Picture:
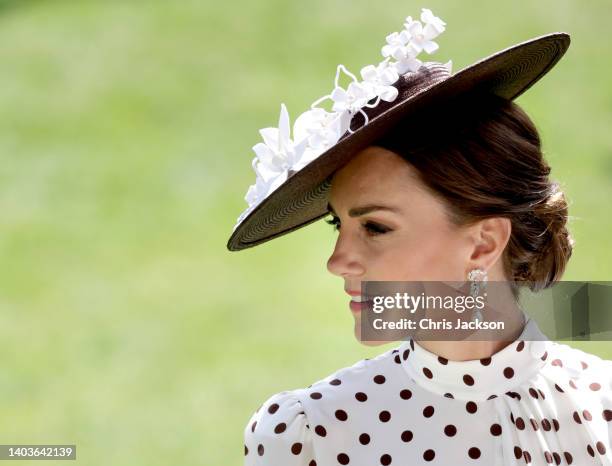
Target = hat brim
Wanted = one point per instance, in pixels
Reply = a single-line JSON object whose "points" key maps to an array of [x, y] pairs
{"points": [[302, 198]]}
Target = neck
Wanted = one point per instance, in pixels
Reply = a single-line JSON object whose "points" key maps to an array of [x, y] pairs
{"points": [[480, 348]]}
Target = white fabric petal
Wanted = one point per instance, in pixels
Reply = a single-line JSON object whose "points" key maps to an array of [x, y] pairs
{"points": [[389, 93], [430, 46], [264, 153], [339, 95], [369, 72], [415, 28], [270, 137], [283, 127]]}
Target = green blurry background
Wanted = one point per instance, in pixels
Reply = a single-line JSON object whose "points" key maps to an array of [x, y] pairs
{"points": [[126, 129]]}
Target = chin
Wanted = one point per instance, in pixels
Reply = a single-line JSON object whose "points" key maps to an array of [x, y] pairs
{"points": [[366, 342]]}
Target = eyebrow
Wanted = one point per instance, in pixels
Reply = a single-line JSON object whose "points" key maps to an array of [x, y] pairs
{"points": [[366, 209]]}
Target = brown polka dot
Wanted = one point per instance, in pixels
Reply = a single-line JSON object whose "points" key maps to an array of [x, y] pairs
{"points": [[556, 425], [335, 382], [320, 431], [412, 344], [442, 360], [280, 428], [496, 430], [520, 424], [379, 379], [568, 457], [364, 439], [544, 356], [546, 424], [594, 386], [533, 393], [527, 457], [590, 450], [508, 372], [405, 354], [557, 458], [471, 407], [485, 361], [514, 395], [246, 450], [407, 436], [312, 463], [557, 362], [450, 430], [559, 389], [427, 373], [541, 394], [534, 423], [360, 396], [586, 414], [428, 411], [385, 459], [518, 452], [573, 384], [584, 365], [474, 453], [548, 457], [429, 455], [260, 449], [520, 346], [601, 448], [491, 397], [253, 426], [341, 415], [384, 416], [468, 379], [343, 458], [607, 415], [577, 417], [316, 395], [296, 448], [449, 395], [273, 408], [397, 359], [405, 394]]}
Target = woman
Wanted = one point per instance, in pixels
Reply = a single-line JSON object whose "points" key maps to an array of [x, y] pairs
{"points": [[441, 180]]}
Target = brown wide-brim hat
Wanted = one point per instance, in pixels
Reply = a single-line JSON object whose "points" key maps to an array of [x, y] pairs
{"points": [[303, 197]]}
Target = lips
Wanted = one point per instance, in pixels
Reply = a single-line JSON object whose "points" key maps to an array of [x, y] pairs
{"points": [[356, 304]]}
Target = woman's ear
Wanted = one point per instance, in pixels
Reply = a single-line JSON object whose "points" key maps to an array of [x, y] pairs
{"points": [[489, 238]]}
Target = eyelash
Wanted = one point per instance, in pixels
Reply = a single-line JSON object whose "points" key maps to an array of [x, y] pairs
{"points": [[372, 228]]}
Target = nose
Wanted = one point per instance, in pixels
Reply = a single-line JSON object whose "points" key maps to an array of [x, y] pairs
{"points": [[345, 261]]}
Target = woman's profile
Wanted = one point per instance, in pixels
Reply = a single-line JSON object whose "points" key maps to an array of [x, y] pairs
{"points": [[430, 176]]}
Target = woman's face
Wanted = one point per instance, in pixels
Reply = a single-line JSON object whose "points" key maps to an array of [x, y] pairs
{"points": [[407, 237]]}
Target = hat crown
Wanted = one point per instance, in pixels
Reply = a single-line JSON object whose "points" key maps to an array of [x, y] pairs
{"points": [[408, 85]]}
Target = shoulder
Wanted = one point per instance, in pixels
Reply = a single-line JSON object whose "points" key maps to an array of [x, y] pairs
{"points": [[277, 430], [578, 370], [286, 424]]}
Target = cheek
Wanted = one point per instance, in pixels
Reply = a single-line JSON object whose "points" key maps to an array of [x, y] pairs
{"points": [[426, 254]]}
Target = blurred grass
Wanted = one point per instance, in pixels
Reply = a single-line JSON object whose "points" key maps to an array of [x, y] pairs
{"points": [[126, 327]]}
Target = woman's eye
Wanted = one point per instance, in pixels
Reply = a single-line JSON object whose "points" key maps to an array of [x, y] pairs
{"points": [[375, 229], [372, 229]]}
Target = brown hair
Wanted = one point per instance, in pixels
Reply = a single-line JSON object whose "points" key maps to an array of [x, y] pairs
{"points": [[482, 155]]}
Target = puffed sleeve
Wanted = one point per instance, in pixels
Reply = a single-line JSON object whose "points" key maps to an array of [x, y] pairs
{"points": [[278, 434]]}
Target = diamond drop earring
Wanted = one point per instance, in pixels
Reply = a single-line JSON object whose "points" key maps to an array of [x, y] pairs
{"points": [[478, 281]]}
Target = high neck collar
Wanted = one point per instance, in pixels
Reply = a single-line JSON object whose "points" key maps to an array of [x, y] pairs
{"points": [[478, 379]]}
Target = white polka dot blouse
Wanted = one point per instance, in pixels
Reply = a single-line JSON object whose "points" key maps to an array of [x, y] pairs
{"points": [[535, 402]]}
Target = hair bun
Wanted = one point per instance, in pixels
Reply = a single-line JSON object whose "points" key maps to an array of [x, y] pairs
{"points": [[554, 243]]}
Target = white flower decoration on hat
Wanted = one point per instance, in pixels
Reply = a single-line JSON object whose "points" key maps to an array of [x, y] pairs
{"points": [[316, 130]]}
